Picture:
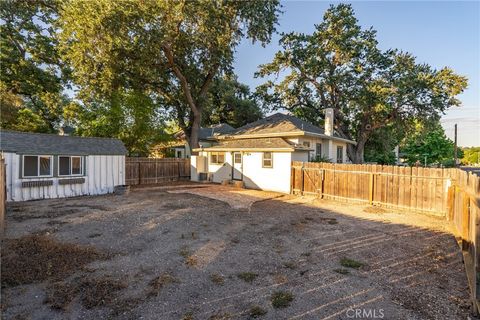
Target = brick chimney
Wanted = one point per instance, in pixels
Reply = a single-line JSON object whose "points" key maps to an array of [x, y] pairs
{"points": [[329, 121]]}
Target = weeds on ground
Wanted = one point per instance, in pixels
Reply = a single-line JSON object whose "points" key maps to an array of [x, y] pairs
{"points": [[281, 299], [157, 283], [350, 263], [191, 261], [217, 278], [184, 252], [257, 311], [188, 316], [247, 276], [220, 316], [59, 295], [342, 271], [100, 291], [290, 265], [36, 258]]}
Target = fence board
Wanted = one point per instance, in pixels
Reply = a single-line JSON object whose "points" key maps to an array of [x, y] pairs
{"points": [[3, 196], [153, 170]]}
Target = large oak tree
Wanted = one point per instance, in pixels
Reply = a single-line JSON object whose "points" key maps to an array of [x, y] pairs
{"points": [[340, 66], [172, 50]]}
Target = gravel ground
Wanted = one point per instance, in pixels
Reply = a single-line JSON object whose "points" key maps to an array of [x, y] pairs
{"points": [[188, 256]]}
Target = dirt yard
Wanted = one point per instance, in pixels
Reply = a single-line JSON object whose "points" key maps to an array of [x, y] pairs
{"points": [[180, 253]]}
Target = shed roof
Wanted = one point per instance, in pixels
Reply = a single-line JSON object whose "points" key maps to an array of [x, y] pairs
{"points": [[258, 144], [44, 143]]}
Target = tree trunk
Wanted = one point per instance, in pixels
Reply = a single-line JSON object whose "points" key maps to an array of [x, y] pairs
{"points": [[355, 153], [194, 132]]}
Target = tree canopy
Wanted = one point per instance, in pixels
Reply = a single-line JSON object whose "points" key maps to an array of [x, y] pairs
{"points": [[340, 66], [170, 50]]}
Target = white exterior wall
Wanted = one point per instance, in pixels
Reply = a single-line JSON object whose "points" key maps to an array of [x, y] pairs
{"points": [[102, 173], [276, 178]]}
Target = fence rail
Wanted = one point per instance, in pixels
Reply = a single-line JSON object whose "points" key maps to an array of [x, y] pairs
{"points": [[451, 193], [152, 170]]}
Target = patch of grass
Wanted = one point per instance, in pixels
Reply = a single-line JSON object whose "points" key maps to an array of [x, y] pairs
{"points": [[309, 218], [373, 209], [59, 295], [257, 311], [350, 263], [306, 254], [188, 316], [217, 278], [332, 221], [157, 283], [281, 299], [280, 278], [184, 252], [247, 276], [342, 271], [37, 258], [220, 316], [100, 291], [94, 235], [191, 261], [290, 265]]}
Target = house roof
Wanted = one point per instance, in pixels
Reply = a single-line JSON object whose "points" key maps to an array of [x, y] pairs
{"points": [[258, 144], [279, 124], [47, 144], [209, 132]]}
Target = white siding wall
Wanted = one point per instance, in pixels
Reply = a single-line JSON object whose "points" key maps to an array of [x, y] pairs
{"points": [[102, 173], [273, 179]]}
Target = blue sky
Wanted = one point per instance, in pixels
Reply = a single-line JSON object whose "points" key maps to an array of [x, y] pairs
{"points": [[438, 33]]}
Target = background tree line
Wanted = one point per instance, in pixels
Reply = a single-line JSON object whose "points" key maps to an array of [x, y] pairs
{"points": [[127, 69]]}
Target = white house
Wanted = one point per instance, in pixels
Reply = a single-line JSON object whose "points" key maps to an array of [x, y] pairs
{"points": [[42, 166], [260, 153]]}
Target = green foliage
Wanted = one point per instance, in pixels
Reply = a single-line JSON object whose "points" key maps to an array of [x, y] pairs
{"points": [[170, 50], [230, 101], [281, 299], [130, 116], [31, 72], [429, 144], [471, 155], [350, 263], [321, 159], [340, 66]]}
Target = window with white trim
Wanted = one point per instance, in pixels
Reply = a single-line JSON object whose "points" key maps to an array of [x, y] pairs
{"points": [[70, 166], [37, 166], [267, 160], [217, 157], [339, 154]]}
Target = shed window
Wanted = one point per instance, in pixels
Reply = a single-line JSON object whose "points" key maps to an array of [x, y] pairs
{"points": [[339, 154], [267, 160], [37, 166], [306, 144], [70, 166], [217, 157], [318, 150]]}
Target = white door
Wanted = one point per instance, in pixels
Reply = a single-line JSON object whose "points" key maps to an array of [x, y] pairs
{"points": [[237, 166]]}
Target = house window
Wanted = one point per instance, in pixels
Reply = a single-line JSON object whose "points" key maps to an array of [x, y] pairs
{"points": [[267, 160], [318, 150], [339, 154], [37, 166], [217, 157], [306, 144], [179, 153], [70, 166], [237, 158]]}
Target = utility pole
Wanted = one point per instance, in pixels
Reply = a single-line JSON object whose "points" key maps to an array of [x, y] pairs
{"points": [[455, 150]]}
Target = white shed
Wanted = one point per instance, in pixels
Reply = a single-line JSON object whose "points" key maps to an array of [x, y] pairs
{"points": [[43, 166]]}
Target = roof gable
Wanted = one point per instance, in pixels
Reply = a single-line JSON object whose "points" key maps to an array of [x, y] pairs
{"points": [[278, 123], [44, 143]]}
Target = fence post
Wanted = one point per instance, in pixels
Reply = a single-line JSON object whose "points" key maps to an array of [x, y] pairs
{"points": [[450, 202], [371, 187], [465, 220], [303, 180], [322, 181], [139, 172]]}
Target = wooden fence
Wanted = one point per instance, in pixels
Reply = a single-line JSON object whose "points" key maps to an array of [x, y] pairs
{"points": [[3, 195], [451, 193], [152, 170]]}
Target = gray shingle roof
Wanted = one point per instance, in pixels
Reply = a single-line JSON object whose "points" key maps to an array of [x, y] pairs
{"points": [[221, 128], [255, 144], [52, 144]]}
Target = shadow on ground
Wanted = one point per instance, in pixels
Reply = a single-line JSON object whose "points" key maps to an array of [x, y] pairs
{"points": [[185, 256]]}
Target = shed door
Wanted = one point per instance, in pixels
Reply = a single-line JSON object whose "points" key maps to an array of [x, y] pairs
{"points": [[237, 166]]}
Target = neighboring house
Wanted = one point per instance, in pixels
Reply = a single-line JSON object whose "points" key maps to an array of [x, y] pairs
{"points": [[260, 153], [41, 166], [206, 137]]}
